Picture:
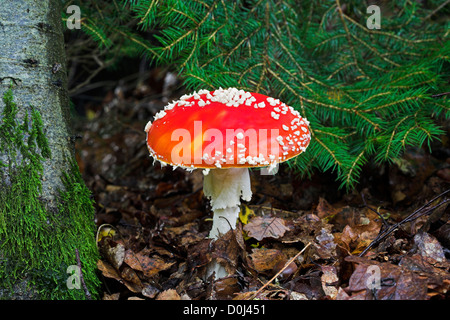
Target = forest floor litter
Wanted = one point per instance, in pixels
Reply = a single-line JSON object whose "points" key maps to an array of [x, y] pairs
{"points": [[297, 239]]}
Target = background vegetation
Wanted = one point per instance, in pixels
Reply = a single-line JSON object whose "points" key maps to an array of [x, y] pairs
{"points": [[368, 93]]}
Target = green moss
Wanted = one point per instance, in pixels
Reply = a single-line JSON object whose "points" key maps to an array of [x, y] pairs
{"points": [[38, 240]]}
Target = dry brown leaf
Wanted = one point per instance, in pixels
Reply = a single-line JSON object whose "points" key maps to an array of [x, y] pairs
{"points": [[131, 280], [148, 265], [108, 270], [265, 227], [265, 260], [244, 295], [226, 288], [198, 254], [385, 281], [324, 209], [325, 247], [130, 275], [150, 291], [191, 238], [329, 280], [113, 296], [226, 251], [356, 237], [298, 296], [114, 252], [178, 231], [343, 295], [429, 248], [170, 294]]}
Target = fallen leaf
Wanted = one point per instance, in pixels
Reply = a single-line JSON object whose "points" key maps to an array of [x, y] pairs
{"points": [[428, 247], [131, 280], [185, 234], [175, 232], [346, 238], [225, 288], [324, 209], [385, 281], [298, 296], [438, 279], [170, 294], [148, 265], [163, 189], [114, 296], [343, 295], [130, 275], [114, 252], [191, 238], [125, 277], [265, 227], [108, 270], [149, 291], [288, 271], [325, 245], [265, 260], [443, 234], [329, 280], [304, 229], [226, 251], [246, 296], [355, 237]]}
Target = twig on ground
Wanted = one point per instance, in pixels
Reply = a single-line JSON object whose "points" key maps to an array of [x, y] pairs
{"points": [[423, 210], [379, 214], [86, 291], [279, 272]]}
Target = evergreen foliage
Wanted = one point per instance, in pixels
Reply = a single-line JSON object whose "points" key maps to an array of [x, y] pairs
{"points": [[368, 93]]}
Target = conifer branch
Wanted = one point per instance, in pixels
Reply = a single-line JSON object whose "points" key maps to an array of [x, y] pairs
{"points": [[442, 5], [390, 104], [383, 33], [368, 93], [390, 142], [349, 38], [349, 177], [329, 151], [147, 13]]}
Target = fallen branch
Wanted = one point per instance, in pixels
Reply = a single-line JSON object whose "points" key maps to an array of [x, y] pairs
{"points": [[423, 210]]}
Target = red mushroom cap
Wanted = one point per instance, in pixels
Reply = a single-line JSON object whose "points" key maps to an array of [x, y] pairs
{"points": [[226, 128]]}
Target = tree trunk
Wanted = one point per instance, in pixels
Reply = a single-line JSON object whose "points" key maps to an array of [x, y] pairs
{"points": [[46, 213]]}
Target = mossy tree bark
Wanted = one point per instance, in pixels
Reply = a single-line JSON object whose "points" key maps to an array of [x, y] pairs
{"points": [[46, 213]]}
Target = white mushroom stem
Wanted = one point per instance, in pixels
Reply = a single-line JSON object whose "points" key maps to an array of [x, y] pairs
{"points": [[225, 188]]}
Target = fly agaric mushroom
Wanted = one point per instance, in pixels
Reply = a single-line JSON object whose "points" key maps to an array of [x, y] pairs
{"points": [[225, 132]]}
